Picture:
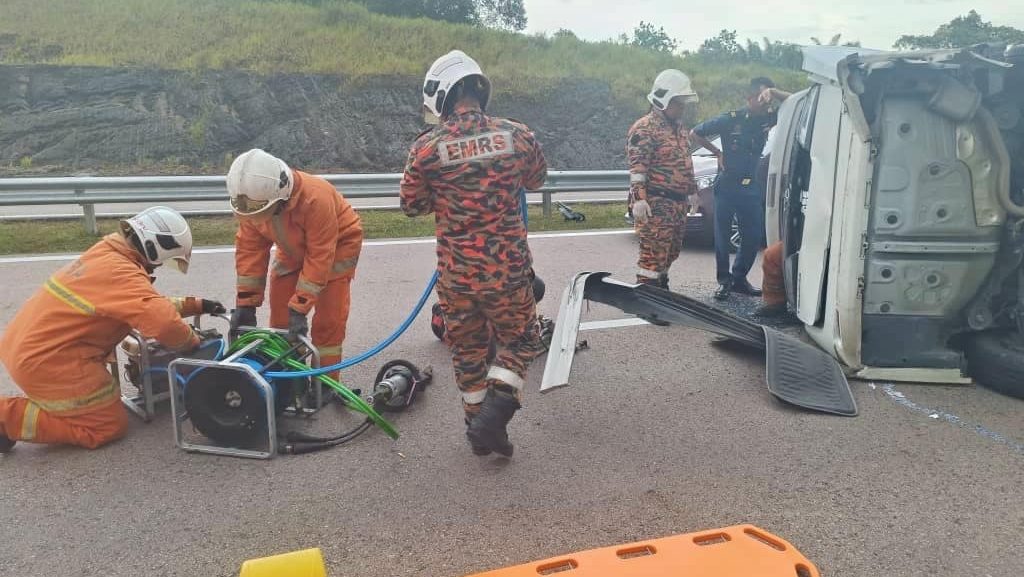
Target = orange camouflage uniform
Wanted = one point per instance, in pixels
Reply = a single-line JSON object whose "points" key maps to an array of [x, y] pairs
{"points": [[468, 171], [660, 172]]}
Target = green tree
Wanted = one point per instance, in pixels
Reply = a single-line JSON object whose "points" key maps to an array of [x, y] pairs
{"points": [[782, 54], [507, 14], [961, 32], [650, 38], [723, 47], [835, 41]]}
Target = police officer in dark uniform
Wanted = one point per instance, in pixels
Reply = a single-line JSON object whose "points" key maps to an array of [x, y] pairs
{"points": [[738, 190]]}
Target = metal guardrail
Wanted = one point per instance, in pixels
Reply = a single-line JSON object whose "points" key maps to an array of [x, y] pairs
{"points": [[88, 191]]}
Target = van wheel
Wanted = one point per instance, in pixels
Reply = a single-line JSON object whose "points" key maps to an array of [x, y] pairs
{"points": [[996, 360]]}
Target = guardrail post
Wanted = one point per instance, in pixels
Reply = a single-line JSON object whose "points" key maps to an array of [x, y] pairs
{"points": [[89, 216], [546, 196]]}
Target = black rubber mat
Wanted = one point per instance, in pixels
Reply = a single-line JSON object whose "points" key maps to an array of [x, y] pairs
{"points": [[805, 376]]}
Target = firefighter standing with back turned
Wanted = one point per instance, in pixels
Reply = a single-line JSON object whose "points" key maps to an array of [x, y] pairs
{"points": [[468, 171], [661, 176]]}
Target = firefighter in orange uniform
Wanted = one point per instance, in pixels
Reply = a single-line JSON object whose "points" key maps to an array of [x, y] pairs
{"points": [[57, 346], [318, 237]]}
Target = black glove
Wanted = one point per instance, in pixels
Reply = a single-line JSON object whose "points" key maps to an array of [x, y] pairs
{"points": [[242, 317], [297, 324], [211, 307]]}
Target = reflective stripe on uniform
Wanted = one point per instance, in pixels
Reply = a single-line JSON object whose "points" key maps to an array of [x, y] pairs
{"points": [[99, 397], [280, 269], [506, 376], [474, 397], [343, 266], [334, 351], [28, 422], [648, 273], [310, 287], [637, 177], [281, 237], [252, 281], [179, 304], [185, 342], [69, 298]]}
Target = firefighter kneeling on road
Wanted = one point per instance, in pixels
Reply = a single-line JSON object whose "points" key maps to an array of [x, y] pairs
{"points": [[661, 176], [57, 346], [318, 237], [468, 172]]}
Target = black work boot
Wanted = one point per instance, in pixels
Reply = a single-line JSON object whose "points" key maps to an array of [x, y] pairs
{"points": [[724, 290], [743, 287], [6, 444], [478, 450], [487, 429]]}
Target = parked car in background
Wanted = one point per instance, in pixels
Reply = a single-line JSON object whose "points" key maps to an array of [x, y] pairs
{"points": [[700, 227]]}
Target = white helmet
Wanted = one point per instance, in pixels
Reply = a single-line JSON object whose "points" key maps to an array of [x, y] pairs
{"points": [[257, 181], [446, 72], [669, 84], [162, 236]]}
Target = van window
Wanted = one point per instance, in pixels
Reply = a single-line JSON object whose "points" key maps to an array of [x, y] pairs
{"points": [[796, 173]]}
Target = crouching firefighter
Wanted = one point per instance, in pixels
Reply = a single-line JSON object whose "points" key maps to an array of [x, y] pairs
{"points": [[468, 171], [56, 348], [318, 237], [661, 176]]}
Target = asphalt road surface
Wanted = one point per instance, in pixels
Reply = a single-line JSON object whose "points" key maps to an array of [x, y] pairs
{"points": [[660, 433]]}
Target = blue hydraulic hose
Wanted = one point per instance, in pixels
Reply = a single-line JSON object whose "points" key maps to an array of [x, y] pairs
{"points": [[346, 363], [523, 207], [184, 380]]}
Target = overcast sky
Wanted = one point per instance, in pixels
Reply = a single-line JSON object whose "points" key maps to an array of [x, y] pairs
{"points": [[876, 23]]}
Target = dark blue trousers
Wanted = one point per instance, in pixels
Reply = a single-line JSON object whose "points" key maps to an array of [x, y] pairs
{"points": [[746, 206]]}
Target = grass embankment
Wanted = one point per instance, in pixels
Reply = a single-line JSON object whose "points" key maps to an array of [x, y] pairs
{"points": [[31, 237], [336, 37]]}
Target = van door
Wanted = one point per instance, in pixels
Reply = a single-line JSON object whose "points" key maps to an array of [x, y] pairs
{"points": [[814, 176]]}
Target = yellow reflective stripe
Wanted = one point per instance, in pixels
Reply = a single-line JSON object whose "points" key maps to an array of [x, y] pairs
{"points": [[28, 422], [281, 236], [184, 342], [280, 269], [69, 298], [179, 304], [329, 351], [310, 287], [252, 281], [95, 398], [346, 265]]}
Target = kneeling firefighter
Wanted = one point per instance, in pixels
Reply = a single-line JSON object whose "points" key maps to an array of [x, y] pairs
{"points": [[468, 171], [318, 237], [57, 346]]}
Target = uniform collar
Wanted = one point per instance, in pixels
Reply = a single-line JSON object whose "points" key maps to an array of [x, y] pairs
{"points": [[463, 109], [120, 245], [297, 178], [659, 116]]}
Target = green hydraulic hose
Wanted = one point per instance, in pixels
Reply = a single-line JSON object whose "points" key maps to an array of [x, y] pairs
{"points": [[274, 345]]}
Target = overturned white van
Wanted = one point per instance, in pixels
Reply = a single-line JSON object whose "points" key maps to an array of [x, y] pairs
{"points": [[896, 187]]}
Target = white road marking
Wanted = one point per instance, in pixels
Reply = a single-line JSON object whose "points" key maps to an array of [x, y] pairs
{"points": [[612, 324], [396, 242], [901, 399]]}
